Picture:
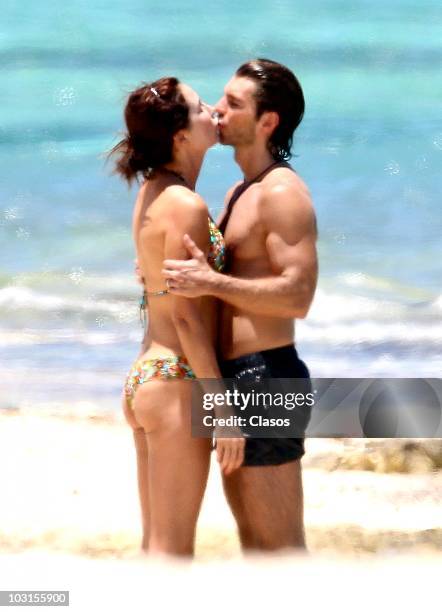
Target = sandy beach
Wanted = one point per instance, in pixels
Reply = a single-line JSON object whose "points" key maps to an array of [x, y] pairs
{"points": [[69, 484], [69, 519]]}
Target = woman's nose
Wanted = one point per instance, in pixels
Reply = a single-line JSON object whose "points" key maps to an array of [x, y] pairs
{"points": [[211, 110], [219, 108]]}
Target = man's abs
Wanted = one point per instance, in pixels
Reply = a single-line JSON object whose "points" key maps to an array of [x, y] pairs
{"points": [[244, 332]]}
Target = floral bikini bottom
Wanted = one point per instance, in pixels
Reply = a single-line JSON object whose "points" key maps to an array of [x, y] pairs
{"points": [[143, 370]]}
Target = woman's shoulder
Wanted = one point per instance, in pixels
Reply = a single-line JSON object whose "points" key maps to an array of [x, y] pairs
{"points": [[181, 199]]}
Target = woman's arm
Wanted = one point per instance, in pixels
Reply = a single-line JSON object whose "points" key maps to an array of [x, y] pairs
{"points": [[191, 212], [190, 215]]}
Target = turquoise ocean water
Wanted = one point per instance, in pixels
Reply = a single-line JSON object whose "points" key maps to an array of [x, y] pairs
{"points": [[370, 149]]}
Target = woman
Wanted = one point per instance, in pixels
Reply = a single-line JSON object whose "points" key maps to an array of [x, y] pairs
{"points": [[169, 130]]}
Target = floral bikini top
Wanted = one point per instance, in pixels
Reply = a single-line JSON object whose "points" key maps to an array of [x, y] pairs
{"points": [[216, 257], [217, 247]]}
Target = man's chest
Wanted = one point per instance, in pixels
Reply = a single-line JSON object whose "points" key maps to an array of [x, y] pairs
{"points": [[244, 235]]}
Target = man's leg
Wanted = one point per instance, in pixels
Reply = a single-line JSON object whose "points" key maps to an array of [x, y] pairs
{"points": [[268, 505], [266, 494]]}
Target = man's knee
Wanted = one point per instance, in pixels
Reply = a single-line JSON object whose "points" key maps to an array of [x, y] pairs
{"points": [[257, 538], [265, 535], [267, 504]]}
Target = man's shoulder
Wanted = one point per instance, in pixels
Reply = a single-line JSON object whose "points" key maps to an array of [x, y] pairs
{"points": [[285, 185], [285, 203]]}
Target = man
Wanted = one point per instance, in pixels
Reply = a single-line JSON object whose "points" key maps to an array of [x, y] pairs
{"points": [[270, 231]]}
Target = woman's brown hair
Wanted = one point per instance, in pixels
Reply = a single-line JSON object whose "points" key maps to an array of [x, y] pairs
{"points": [[153, 114]]}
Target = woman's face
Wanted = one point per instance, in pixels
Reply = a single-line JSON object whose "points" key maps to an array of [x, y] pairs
{"points": [[202, 130]]}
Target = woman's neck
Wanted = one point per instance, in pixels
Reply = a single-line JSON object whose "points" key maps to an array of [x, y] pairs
{"points": [[186, 168]]}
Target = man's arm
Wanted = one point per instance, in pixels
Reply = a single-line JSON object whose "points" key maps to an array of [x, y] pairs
{"points": [[290, 224]]}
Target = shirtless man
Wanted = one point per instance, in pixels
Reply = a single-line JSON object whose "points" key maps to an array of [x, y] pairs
{"points": [[270, 230]]}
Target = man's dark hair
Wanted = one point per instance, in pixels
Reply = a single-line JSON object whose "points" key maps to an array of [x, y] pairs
{"points": [[277, 90]]}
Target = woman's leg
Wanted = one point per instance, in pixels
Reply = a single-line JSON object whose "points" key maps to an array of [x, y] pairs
{"points": [[178, 464], [140, 441]]}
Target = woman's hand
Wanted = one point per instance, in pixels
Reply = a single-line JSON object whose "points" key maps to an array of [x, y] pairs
{"points": [[137, 270], [229, 451]]}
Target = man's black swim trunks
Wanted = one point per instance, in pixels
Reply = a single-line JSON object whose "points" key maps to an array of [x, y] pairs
{"points": [[250, 372]]}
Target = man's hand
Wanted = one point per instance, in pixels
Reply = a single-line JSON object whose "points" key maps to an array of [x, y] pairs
{"points": [[189, 277]]}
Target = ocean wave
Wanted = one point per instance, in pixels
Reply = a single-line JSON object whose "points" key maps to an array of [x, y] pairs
{"points": [[30, 337], [338, 319], [334, 318], [436, 305], [397, 336], [385, 365], [332, 307], [16, 301], [386, 287], [372, 333], [111, 294]]}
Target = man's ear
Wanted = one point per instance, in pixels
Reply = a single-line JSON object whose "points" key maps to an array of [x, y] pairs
{"points": [[269, 121]]}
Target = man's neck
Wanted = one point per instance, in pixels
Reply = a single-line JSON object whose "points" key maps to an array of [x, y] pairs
{"points": [[253, 161]]}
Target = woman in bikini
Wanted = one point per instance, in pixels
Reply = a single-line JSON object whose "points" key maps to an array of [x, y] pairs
{"points": [[169, 130]]}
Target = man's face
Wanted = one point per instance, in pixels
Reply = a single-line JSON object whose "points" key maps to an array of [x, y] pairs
{"points": [[237, 112]]}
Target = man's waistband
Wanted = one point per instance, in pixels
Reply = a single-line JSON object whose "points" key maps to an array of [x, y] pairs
{"points": [[288, 351]]}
